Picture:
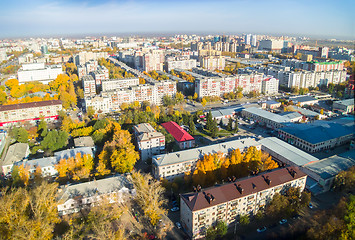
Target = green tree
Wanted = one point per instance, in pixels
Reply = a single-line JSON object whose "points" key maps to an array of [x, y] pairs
{"points": [[90, 111], [221, 228], [167, 101], [244, 219], [42, 128], [236, 128], [192, 128], [230, 124], [54, 140], [20, 134]]}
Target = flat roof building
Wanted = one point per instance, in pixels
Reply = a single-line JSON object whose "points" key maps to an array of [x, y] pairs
{"points": [[16, 153], [344, 106]]}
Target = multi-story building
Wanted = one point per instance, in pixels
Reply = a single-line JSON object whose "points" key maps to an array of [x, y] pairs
{"points": [[38, 72], [269, 119], [199, 210], [183, 139], [89, 85], [100, 74], [271, 45], [83, 57], [113, 84], [149, 141], [154, 60], [13, 113], [101, 104], [75, 197], [213, 62], [171, 165], [87, 68], [270, 86], [181, 62]]}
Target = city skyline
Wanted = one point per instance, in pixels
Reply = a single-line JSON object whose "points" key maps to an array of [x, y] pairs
{"points": [[62, 18]]}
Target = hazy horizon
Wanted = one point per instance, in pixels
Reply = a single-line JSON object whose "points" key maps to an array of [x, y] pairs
{"points": [[64, 18]]}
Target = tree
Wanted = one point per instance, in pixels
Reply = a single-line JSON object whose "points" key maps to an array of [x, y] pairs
{"points": [[236, 128], [20, 134], [230, 124], [244, 219], [195, 96], [42, 128], [203, 102], [221, 228], [33, 212], [11, 83], [167, 101], [54, 140], [322, 111], [192, 128], [149, 196], [179, 97]]}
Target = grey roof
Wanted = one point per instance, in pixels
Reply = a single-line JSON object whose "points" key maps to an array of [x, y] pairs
{"points": [[267, 115], [347, 102], [291, 115], [318, 131], [303, 99], [41, 162], [216, 114], [16, 153], [144, 128], [196, 153], [305, 112], [72, 152], [270, 102], [331, 166], [287, 151], [84, 142], [102, 186], [145, 131]]}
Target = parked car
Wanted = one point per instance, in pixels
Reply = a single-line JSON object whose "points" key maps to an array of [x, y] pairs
{"points": [[283, 221], [310, 205], [260, 230], [178, 225], [175, 209]]}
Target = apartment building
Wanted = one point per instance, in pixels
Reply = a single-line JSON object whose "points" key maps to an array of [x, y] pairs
{"points": [[250, 82], [149, 141], [38, 72], [113, 84], [79, 196], [13, 113], [83, 57], [87, 68], [213, 62], [181, 62], [171, 165], [100, 74], [154, 60], [270, 86], [199, 210], [101, 104], [89, 85], [271, 45]]}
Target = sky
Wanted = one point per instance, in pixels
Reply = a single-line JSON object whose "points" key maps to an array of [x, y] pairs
{"points": [[311, 18]]}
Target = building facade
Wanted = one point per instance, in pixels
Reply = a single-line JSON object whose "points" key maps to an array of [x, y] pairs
{"points": [[204, 208], [13, 113], [38, 72], [149, 141]]}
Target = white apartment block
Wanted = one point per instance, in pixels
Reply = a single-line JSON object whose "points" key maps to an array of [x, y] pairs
{"points": [[101, 104], [113, 84], [154, 60], [270, 86], [203, 208], [47, 166], [13, 113], [83, 57], [100, 74], [181, 64], [250, 82], [84, 195], [89, 85], [149, 141], [171, 165], [87, 68], [213, 62], [38, 72]]}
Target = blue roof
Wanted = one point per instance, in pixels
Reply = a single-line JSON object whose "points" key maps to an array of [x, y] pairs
{"points": [[303, 99], [319, 131]]}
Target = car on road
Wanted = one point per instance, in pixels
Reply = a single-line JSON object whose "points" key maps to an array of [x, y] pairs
{"points": [[178, 225], [283, 221], [260, 230], [310, 205], [175, 209]]}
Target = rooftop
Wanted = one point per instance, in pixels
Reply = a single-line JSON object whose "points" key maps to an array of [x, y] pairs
{"points": [[177, 132], [199, 200], [287, 151], [331, 166], [197, 153], [41, 162], [16, 153], [65, 154], [145, 132], [347, 102], [88, 189], [318, 131], [303, 99], [29, 105], [267, 115], [84, 142]]}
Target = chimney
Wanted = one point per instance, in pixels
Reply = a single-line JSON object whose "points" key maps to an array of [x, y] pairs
{"points": [[267, 180], [239, 188], [178, 155], [254, 186]]}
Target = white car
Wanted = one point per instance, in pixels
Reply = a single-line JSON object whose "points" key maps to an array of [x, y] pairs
{"points": [[283, 221], [260, 230], [175, 209]]}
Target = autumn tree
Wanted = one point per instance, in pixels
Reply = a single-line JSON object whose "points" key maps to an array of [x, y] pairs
{"points": [[149, 196], [203, 102], [76, 168], [33, 212]]}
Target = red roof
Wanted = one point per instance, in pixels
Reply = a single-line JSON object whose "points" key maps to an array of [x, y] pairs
{"points": [[177, 132]]}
